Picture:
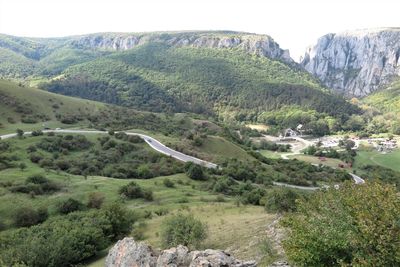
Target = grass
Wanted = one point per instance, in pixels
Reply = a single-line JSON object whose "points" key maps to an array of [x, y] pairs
{"points": [[39, 102], [219, 149], [271, 154], [237, 229], [389, 160], [315, 160], [258, 127]]}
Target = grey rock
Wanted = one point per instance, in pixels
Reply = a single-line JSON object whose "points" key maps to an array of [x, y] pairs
{"points": [[129, 253], [262, 45], [355, 63]]}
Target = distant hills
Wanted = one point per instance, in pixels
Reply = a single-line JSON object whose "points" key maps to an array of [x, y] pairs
{"points": [[229, 75]]}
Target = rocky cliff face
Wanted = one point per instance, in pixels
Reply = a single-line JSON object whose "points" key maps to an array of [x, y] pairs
{"points": [[262, 45], [355, 62], [128, 253]]}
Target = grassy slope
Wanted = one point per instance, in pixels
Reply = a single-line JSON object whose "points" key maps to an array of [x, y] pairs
{"points": [[387, 100], [389, 160], [225, 220], [41, 102], [38, 102]]}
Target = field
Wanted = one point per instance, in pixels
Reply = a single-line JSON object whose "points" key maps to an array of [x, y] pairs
{"points": [[373, 157], [271, 154], [334, 163]]}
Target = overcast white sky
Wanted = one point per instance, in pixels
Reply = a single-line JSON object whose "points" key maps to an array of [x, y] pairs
{"points": [[294, 24]]}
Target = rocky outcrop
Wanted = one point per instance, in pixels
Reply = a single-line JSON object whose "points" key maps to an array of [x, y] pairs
{"points": [[355, 62], [262, 45], [129, 253]]}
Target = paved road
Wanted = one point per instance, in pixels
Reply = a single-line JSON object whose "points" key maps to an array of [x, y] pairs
{"points": [[357, 179], [153, 143], [158, 146]]}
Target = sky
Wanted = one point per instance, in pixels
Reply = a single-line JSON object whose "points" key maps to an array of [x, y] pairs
{"points": [[294, 24]]}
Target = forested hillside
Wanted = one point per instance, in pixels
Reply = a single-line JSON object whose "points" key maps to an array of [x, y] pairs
{"points": [[231, 76]]}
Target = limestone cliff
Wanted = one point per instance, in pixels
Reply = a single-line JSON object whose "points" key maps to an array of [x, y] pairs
{"points": [[262, 45], [355, 62]]}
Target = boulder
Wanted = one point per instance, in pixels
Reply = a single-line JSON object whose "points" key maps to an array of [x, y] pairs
{"points": [[129, 253]]}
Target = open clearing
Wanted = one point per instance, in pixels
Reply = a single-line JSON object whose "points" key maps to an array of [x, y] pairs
{"points": [[389, 160]]}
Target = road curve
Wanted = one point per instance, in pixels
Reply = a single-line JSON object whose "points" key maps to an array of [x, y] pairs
{"points": [[158, 146], [153, 143], [357, 179]]}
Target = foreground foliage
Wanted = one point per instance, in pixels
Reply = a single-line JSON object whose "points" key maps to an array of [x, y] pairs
{"points": [[66, 240], [356, 225], [183, 230]]}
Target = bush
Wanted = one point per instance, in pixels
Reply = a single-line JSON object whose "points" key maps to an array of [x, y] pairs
{"points": [[168, 183], [194, 171], [65, 240], [37, 133], [281, 200], [133, 190], [183, 230], [25, 217], [96, 200], [120, 219], [355, 225], [69, 205], [36, 179]]}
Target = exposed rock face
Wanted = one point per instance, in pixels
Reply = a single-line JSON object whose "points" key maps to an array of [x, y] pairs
{"points": [[357, 62], [128, 253], [262, 45]]}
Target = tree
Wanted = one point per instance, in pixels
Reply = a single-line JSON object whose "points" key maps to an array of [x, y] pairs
{"points": [[194, 171], [69, 205], [133, 190], [20, 133], [281, 200], [184, 230], [25, 217], [355, 225], [120, 218], [96, 200]]}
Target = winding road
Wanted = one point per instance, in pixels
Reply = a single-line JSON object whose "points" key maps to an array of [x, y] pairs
{"points": [[158, 146], [153, 143], [357, 179]]}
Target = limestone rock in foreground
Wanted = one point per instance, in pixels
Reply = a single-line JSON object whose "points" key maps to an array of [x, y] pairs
{"points": [[129, 253]]}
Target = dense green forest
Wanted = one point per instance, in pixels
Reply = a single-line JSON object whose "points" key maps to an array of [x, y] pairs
{"points": [[230, 84]]}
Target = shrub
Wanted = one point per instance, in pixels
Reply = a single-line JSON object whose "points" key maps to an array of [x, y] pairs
{"points": [[168, 183], [120, 219], [183, 230], [20, 133], [25, 217], [355, 225], [194, 171], [37, 133], [95, 200], [133, 190], [281, 200], [69, 205], [36, 179]]}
